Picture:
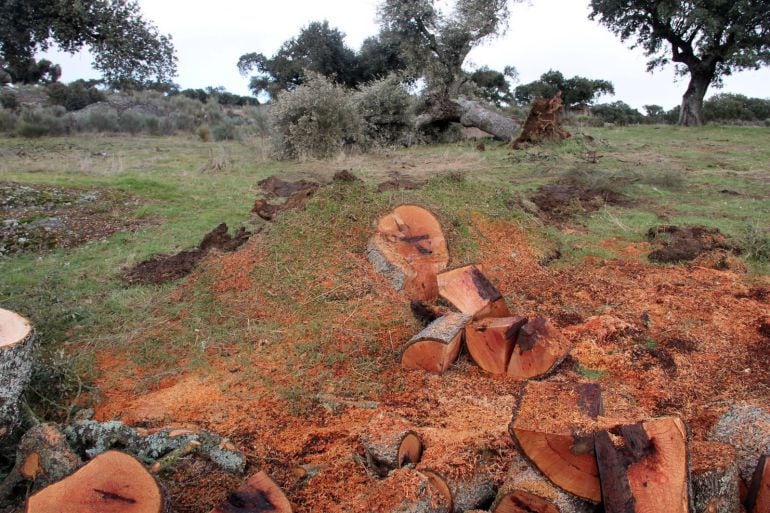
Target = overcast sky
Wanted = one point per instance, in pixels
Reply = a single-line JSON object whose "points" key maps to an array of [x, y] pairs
{"points": [[542, 35]]}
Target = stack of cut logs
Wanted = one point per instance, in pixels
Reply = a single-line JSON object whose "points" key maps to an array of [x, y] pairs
{"points": [[409, 248]]}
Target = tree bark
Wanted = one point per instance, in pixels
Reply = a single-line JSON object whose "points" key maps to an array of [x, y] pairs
{"points": [[714, 476], [691, 113], [469, 113], [17, 346], [436, 347], [390, 442]]}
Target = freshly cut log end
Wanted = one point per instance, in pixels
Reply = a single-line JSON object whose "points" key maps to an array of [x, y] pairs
{"points": [[436, 347], [440, 484], [468, 290], [409, 249], [644, 467], [390, 443], [540, 348], [17, 345], [553, 427], [259, 494], [490, 342], [416, 493], [113, 482], [714, 477], [758, 499]]}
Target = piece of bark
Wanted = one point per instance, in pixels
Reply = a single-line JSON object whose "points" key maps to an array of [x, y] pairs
{"points": [[644, 467], [409, 249], [525, 490], [747, 428], [390, 442], [113, 482], [436, 347], [468, 290], [758, 499], [426, 312], [553, 426], [714, 476], [490, 342], [540, 348], [258, 494], [17, 346]]}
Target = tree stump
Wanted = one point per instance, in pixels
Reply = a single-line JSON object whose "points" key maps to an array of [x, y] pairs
{"points": [[390, 443], [747, 428], [17, 345], [758, 499], [525, 490], [490, 342], [468, 290], [436, 347], [539, 349], [409, 249], [553, 426], [644, 467], [543, 122], [112, 482], [714, 476], [259, 494]]}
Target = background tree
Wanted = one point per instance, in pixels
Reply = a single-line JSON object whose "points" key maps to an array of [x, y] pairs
{"points": [[575, 91], [708, 38], [127, 49], [492, 86]]}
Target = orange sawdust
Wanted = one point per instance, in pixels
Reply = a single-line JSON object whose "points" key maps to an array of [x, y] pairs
{"points": [[660, 339]]}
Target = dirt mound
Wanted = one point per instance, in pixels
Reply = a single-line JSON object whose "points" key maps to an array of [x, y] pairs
{"points": [[399, 182], [275, 187], [686, 243], [344, 175], [559, 202], [166, 268]]}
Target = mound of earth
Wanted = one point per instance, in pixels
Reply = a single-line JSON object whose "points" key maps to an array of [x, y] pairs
{"points": [[36, 218], [686, 243], [559, 202], [166, 268]]}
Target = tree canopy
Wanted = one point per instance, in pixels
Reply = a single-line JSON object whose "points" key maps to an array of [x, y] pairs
{"points": [[708, 39], [575, 91], [492, 85], [127, 49]]}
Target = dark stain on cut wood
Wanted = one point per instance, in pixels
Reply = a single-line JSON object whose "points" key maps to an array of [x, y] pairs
{"points": [[590, 399], [530, 334], [583, 444], [114, 497], [247, 502], [484, 287], [423, 250], [415, 239], [512, 333], [757, 481], [616, 490]]}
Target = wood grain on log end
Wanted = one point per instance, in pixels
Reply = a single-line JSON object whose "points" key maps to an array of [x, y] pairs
{"points": [[491, 341], [259, 494], [471, 292], [436, 347]]}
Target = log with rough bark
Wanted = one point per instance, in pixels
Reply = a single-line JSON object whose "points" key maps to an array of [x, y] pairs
{"points": [[747, 428], [525, 490], [422, 493], [409, 249], [390, 442], [490, 342], [540, 348], [758, 499], [17, 345], [112, 482], [436, 347], [466, 493], [468, 290], [714, 476], [543, 122], [644, 467], [553, 426], [259, 494], [443, 111]]}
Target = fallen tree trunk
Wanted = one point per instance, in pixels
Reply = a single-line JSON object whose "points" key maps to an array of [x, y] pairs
{"points": [[490, 342], [714, 476], [553, 426], [17, 345], [468, 290], [111, 482], [469, 113], [758, 499], [436, 347], [259, 494], [644, 467], [539, 349], [390, 443]]}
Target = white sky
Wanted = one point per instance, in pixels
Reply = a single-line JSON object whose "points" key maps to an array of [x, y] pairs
{"points": [[542, 35]]}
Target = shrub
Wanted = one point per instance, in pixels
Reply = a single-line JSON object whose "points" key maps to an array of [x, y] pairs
{"points": [[75, 96], [756, 242], [183, 121], [99, 120], [583, 120], [318, 119], [31, 130], [8, 100], [7, 120], [131, 122], [384, 106], [40, 122], [619, 113], [204, 132], [735, 107], [227, 130]]}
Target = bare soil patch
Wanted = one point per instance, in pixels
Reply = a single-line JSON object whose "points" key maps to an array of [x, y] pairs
{"points": [[686, 243], [560, 202]]}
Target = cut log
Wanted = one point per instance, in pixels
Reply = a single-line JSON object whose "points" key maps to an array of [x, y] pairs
{"points": [[17, 345], [540, 348], [411, 491], [714, 476], [644, 467], [409, 249], [490, 342], [468, 290], [463, 494], [543, 122], [553, 427], [758, 499], [469, 113], [113, 482], [259, 494], [390, 443], [525, 490], [436, 347], [747, 428]]}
